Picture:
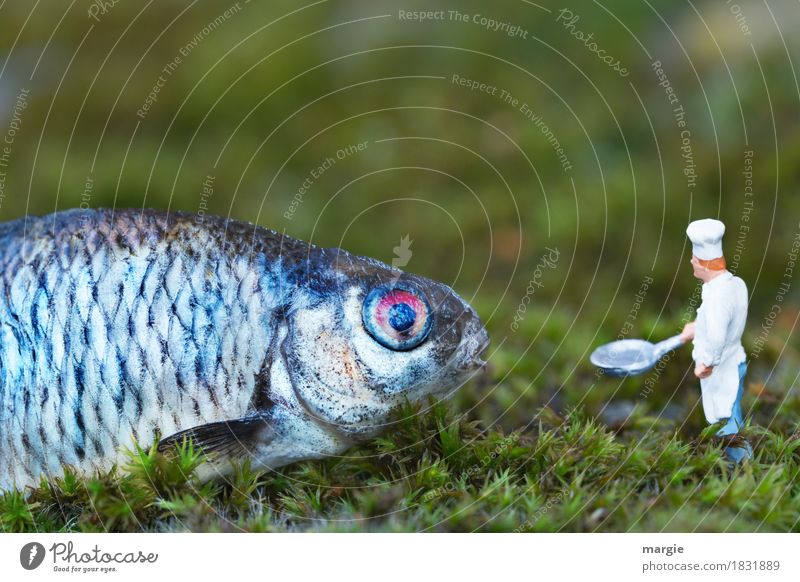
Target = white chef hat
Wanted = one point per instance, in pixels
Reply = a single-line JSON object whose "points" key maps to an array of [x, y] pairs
{"points": [[706, 237]]}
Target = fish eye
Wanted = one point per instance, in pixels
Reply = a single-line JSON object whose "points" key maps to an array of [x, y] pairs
{"points": [[397, 317]]}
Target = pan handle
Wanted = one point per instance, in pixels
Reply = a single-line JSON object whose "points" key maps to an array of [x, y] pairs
{"points": [[669, 344]]}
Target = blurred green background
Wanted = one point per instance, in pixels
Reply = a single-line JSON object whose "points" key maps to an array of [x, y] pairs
{"points": [[555, 192]]}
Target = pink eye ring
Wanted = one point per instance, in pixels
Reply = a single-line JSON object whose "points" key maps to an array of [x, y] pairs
{"points": [[397, 317]]}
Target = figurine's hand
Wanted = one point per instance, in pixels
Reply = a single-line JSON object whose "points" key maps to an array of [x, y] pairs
{"points": [[703, 371], [687, 334]]}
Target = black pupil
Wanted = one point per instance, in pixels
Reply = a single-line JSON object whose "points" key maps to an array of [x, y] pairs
{"points": [[401, 316]]}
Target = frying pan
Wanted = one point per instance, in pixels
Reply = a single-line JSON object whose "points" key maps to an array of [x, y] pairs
{"points": [[630, 357]]}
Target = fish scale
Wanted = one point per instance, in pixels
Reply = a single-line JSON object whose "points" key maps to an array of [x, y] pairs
{"points": [[72, 314], [125, 326]]}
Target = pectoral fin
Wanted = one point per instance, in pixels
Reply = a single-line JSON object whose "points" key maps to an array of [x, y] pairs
{"points": [[228, 438]]}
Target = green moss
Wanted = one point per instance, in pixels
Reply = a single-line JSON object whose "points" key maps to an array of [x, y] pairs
{"points": [[441, 472]]}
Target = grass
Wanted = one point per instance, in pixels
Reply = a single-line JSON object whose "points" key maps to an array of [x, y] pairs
{"points": [[439, 471]]}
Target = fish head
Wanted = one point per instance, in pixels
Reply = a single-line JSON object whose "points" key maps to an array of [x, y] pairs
{"points": [[376, 337]]}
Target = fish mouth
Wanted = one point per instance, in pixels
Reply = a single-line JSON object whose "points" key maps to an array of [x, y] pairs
{"points": [[476, 341], [485, 341]]}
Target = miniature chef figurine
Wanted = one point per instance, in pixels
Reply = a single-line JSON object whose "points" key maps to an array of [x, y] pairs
{"points": [[717, 332]]}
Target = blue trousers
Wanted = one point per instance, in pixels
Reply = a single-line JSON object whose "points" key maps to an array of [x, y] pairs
{"points": [[735, 420]]}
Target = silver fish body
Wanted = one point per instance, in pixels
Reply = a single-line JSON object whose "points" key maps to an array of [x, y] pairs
{"points": [[126, 326]]}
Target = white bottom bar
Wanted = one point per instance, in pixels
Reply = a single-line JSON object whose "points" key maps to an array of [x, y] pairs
{"points": [[331, 557]]}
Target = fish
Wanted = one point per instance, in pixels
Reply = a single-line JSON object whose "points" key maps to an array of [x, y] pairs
{"points": [[121, 327]]}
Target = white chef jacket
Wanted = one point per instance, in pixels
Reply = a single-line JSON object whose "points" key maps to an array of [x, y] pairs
{"points": [[718, 342]]}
